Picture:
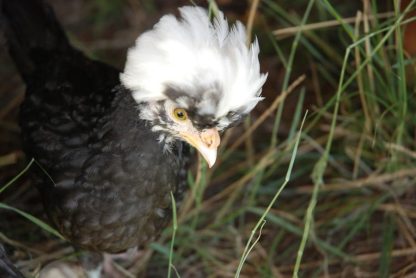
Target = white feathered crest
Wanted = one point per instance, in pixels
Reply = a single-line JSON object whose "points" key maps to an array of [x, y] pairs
{"points": [[191, 52]]}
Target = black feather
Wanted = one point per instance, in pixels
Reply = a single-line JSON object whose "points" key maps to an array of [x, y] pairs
{"points": [[111, 178]]}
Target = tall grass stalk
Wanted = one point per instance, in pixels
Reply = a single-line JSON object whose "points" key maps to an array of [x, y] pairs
{"points": [[261, 222], [289, 73], [320, 166], [401, 84], [172, 243]]}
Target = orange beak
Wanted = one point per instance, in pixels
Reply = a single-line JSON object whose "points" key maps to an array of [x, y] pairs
{"points": [[206, 142]]}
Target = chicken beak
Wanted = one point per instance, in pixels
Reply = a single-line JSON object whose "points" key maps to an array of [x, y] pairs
{"points": [[206, 142]]}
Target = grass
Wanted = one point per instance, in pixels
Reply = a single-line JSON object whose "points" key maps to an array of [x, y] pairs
{"points": [[349, 207], [175, 227]]}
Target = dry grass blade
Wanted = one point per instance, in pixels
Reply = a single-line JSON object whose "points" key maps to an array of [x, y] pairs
{"points": [[411, 213], [5, 239], [46, 258], [401, 149], [266, 160], [358, 258], [279, 99], [251, 16], [11, 105], [368, 181], [290, 31], [10, 159]]}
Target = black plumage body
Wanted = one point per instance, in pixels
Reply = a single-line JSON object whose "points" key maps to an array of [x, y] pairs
{"points": [[108, 180]]}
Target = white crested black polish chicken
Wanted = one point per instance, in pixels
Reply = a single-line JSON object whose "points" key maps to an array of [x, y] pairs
{"points": [[116, 143]]}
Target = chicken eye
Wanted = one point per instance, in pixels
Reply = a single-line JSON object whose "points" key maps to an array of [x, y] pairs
{"points": [[180, 114]]}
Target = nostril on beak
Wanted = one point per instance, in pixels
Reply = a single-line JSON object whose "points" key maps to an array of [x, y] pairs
{"points": [[210, 138], [209, 142], [206, 139]]}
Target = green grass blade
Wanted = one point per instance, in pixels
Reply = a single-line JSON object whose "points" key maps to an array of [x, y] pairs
{"points": [[388, 241], [4, 187], [286, 225], [175, 227], [260, 223], [288, 73], [34, 220]]}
